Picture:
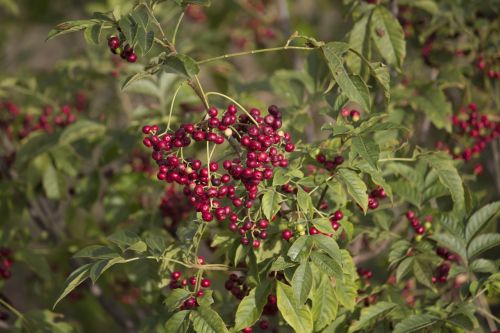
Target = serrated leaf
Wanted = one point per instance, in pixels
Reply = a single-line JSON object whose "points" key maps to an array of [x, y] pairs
{"points": [[206, 320], [482, 243], [483, 266], [423, 273], [327, 265], [432, 101], [451, 242], [351, 85], [480, 219], [372, 314], [96, 252], [346, 288], [449, 177], [103, 265], [74, 280], [329, 245], [280, 177], [175, 323], [403, 268], [181, 64], [324, 304], [323, 224], [124, 238], [302, 282], [359, 40], [299, 317], [355, 187], [388, 36], [367, 149], [415, 323], [270, 204], [304, 201], [175, 298], [297, 247], [281, 264], [251, 306]]}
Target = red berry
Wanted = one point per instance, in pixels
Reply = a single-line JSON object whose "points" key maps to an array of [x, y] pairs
{"points": [[176, 275], [286, 234], [205, 283]]}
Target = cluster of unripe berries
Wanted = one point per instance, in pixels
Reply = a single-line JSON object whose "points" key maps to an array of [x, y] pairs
{"points": [[374, 196], [417, 226], [176, 282], [214, 190], [353, 115], [47, 121], [329, 164], [125, 51], [6, 262], [484, 65]]}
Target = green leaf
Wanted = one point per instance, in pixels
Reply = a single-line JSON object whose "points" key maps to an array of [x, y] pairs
{"points": [[141, 15], [281, 264], [302, 282], [305, 202], [297, 247], [82, 129], [359, 40], [280, 177], [451, 242], [327, 265], [404, 268], [145, 39], [483, 266], [175, 298], [181, 64], [92, 33], [329, 245], [372, 314], [70, 26], [206, 320], [480, 219], [482, 243], [129, 28], [448, 176], [432, 101], [423, 273], [175, 323], [346, 288], [355, 186], [324, 304], [351, 85], [74, 280], [134, 78], [299, 317], [50, 182], [139, 247], [270, 204], [124, 238], [96, 252], [251, 306], [415, 323], [103, 265], [367, 149], [193, 2], [388, 36], [323, 224]]}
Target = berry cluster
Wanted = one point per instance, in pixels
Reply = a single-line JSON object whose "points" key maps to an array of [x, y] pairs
{"points": [[353, 115], [329, 164], [374, 197], [416, 225], [441, 273], [365, 273], [447, 254], [176, 283], [485, 65], [261, 147], [237, 286], [47, 121], [125, 50], [5, 263], [476, 131]]}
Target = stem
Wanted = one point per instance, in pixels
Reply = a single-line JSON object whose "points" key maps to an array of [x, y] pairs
{"points": [[198, 89], [238, 54], [172, 105], [174, 36], [238, 104], [17, 313], [322, 196]]}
